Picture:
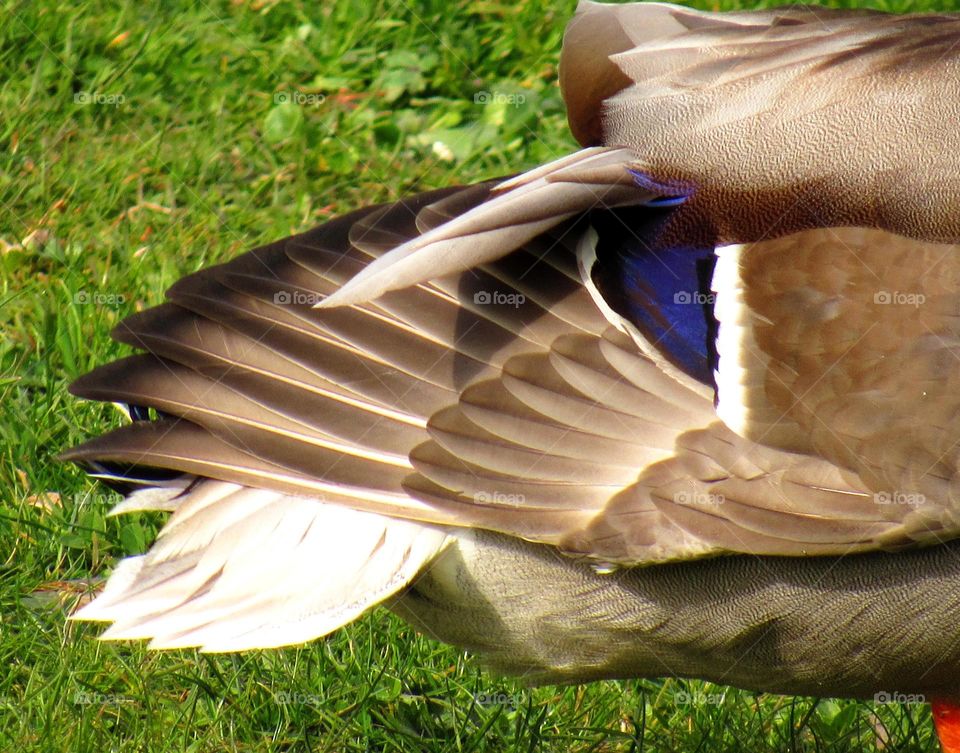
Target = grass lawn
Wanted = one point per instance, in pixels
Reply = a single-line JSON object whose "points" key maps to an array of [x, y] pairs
{"points": [[141, 141]]}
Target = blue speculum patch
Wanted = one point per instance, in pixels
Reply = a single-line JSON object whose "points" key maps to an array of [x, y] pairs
{"points": [[669, 298], [662, 288], [671, 193]]}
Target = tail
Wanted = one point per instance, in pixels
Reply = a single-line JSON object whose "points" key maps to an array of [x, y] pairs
{"points": [[238, 567]]}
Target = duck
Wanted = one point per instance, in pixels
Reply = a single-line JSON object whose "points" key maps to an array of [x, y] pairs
{"points": [[684, 402]]}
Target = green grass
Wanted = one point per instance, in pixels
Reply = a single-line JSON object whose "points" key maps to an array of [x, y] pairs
{"points": [[141, 141]]}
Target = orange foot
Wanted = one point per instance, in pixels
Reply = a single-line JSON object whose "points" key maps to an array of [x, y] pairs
{"points": [[946, 718]]}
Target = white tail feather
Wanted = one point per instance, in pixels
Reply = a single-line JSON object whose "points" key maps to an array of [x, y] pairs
{"points": [[150, 499], [238, 568]]}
